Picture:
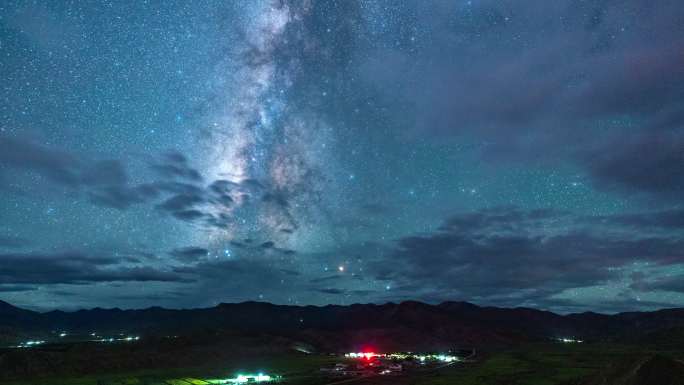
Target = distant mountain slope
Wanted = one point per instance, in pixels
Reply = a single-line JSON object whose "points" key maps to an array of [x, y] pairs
{"points": [[407, 324]]}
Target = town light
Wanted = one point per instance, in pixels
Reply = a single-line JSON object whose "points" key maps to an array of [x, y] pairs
{"points": [[244, 378], [31, 343], [569, 340]]}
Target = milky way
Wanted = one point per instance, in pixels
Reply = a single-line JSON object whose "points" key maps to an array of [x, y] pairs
{"points": [[258, 135], [499, 152]]}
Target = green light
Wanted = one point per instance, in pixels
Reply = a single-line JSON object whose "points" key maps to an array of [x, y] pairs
{"points": [[244, 378]]}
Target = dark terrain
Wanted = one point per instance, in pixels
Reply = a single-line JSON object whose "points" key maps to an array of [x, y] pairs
{"points": [[625, 348], [340, 328]]}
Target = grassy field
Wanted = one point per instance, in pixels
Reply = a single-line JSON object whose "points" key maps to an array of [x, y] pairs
{"points": [[547, 364], [544, 364], [289, 366], [538, 365]]}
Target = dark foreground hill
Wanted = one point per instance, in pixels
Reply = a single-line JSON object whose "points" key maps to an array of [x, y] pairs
{"points": [[641, 370], [407, 325], [646, 347]]}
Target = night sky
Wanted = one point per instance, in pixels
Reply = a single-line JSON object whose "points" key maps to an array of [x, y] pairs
{"points": [[183, 154]]}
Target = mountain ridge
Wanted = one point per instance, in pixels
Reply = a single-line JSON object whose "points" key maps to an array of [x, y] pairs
{"points": [[399, 325], [466, 303]]}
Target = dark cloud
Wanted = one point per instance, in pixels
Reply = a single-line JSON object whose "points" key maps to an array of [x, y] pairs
{"points": [[74, 268], [219, 221], [625, 304], [336, 291], [64, 293], [105, 173], [222, 186], [17, 288], [241, 279], [56, 166], [189, 254], [152, 298], [276, 198], [122, 197], [183, 207], [652, 163], [181, 202], [189, 215], [331, 291], [532, 254], [674, 283], [222, 268], [175, 157], [325, 279], [268, 245], [671, 219], [174, 165], [613, 106], [104, 182], [238, 244], [362, 293], [500, 219], [177, 188]]}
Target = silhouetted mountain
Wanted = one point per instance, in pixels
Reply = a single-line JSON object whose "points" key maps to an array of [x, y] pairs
{"points": [[8, 311], [405, 325], [12, 317]]}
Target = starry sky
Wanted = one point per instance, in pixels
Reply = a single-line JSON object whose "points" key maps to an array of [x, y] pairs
{"points": [[183, 154]]}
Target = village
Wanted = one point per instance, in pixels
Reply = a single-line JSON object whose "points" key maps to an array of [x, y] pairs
{"points": [[370, 363]]}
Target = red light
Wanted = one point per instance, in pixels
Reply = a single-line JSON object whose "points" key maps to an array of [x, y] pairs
{"points": [[369, 355]]}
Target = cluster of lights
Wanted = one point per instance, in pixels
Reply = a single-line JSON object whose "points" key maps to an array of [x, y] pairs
{"points": [[404, 356], [569, 341], [127, 339], [367, 355], [31, 343], [437, 357], [244, 378]]}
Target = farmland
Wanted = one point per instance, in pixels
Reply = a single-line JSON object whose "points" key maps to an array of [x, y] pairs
{"points": [[544, 364]]}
